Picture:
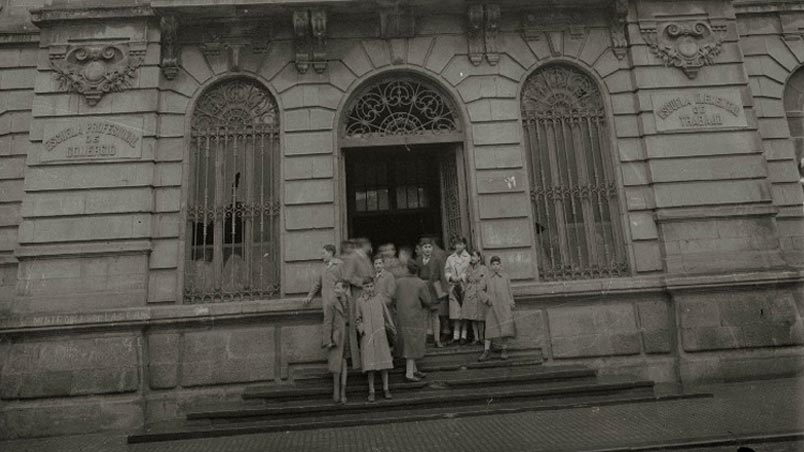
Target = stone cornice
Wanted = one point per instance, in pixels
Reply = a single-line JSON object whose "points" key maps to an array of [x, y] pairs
{"points": [[767, 6], [43, 16]]}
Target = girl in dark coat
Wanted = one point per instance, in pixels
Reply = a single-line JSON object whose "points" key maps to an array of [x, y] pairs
{"points": [[413, 307]]}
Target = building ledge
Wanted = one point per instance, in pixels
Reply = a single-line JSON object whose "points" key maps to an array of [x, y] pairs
{"points": [[294, 308]]}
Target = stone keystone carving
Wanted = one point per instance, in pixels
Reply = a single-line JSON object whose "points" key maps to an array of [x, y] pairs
{"points": [[688, 46], [94, 70]]}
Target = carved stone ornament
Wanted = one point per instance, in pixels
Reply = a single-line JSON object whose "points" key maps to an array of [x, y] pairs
{"points": [[688, 45], [231, 38], [397, 22], [170, 46], [483, 25], [538, 25], [309, 37], [93, 70], [619, 36]]}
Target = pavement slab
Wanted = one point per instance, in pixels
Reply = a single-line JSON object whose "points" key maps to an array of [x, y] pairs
{"points": [[738, 410]]}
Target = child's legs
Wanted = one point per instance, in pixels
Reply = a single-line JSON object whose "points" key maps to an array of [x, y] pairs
{"points": [[384, 376], [344, 375], [456, 329], [476, 331], [481, 325], [336, 386], [487, 345], [371, 381], [410, 367], [464, 328], [435, 321]]}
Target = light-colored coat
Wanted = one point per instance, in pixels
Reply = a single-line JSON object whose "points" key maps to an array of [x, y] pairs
{"points": [[475, 296], [413, 308], [455, 267], [338, 330], [371, 317], [499, 320]]}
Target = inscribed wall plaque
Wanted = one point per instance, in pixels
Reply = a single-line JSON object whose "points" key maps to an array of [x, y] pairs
{"points": [[712, 108], [87, 139]]}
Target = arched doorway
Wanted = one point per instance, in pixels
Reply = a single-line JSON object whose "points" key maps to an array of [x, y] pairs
{"points": [[401, 139]]}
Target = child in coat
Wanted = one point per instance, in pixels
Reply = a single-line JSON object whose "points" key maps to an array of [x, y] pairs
{"points": [[373, 325], [455, 272], [474, 302], [499, 320], [339, 338]]}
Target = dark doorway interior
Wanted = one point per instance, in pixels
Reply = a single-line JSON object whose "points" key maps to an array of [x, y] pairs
{"points": [[394, 193]]}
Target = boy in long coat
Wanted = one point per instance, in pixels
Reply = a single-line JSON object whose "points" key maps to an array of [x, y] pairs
{"points": [[324, 284], [373, 320], [499, 320], [339, 338], [431, 270], [413, 307]]}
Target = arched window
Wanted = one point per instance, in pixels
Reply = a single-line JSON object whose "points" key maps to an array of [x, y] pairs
{"points": [[573, 189], [233, 206], [794, 107]]}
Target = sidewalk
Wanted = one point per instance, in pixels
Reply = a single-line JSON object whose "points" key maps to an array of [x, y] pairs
{"points": [[737, 410]]}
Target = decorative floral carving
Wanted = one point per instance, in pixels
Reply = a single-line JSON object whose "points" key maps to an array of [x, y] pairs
{"points": [[686, 45], [94, 70], [561, 91], [235, 104], [400, 107]]}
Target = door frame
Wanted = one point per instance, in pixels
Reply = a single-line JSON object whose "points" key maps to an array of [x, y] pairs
{"points": [[460, 168]]}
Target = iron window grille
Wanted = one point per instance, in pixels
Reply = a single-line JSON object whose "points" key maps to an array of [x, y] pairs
{"points": [[573, 190], [233, 207]]}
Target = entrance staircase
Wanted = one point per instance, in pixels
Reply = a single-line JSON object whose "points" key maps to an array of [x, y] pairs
{"points": [[456, 385]]}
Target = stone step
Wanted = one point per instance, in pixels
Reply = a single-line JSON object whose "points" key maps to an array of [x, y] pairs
{"points": [[170, 432], [454, 378], [425, 398], [445, 359]]}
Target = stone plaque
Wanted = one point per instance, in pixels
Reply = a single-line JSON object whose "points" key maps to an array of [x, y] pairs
{"points": [[701, 109], [85, 139]]}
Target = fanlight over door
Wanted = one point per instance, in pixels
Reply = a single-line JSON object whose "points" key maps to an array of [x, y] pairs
{"points": [[573, 189], [233, 206]]}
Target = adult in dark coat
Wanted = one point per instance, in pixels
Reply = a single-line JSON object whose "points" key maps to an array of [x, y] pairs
{"points": [[431, 270], [413, 308]]}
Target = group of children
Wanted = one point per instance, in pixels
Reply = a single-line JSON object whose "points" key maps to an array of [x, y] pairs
{"points": [[388, 305]]}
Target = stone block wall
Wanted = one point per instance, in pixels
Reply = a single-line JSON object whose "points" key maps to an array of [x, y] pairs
{"points": [[773, 46], [97, 311], [17, 73]]}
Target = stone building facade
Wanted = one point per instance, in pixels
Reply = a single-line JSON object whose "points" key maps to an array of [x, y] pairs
{"points": [[169, 170]]}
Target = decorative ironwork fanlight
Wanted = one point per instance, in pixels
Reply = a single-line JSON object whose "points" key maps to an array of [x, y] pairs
{"points": [[400, 107]]}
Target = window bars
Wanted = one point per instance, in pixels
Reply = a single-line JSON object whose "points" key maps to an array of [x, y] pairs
{"points": [[573, 189], [233, 207]]}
